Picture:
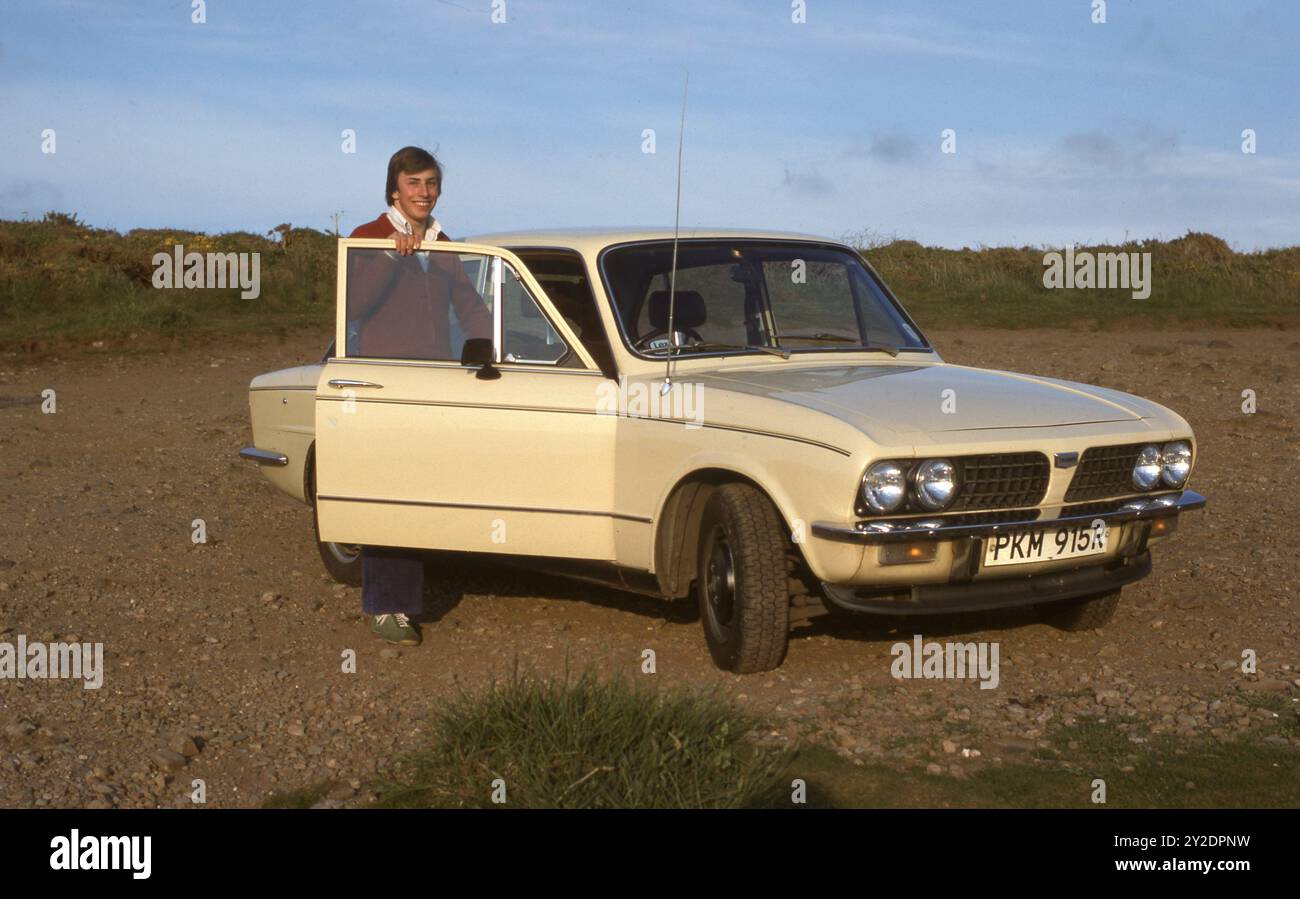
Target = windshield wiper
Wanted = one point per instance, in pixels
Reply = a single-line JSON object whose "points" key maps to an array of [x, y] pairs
{"points": [[841, 338], [820, 335], [775, 351]]}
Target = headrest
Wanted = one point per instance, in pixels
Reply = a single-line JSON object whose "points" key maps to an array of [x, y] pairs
{"points": [[567, 295], [688, 310]]}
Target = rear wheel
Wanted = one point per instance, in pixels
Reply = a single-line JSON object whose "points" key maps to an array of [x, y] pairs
{"points": [[741, 583], [342, 560], [1082, 614]]}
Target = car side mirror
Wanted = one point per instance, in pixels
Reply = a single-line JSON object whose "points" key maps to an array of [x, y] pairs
{"points": [[478, 351]]}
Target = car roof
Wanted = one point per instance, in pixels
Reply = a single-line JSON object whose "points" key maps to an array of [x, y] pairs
{"points": [[593, 240]]}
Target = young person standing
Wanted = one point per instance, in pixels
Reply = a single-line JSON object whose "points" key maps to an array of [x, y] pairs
{"points": [[392, 579]]}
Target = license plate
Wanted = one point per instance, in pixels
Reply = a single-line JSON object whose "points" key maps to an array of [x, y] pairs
{"points": [[1046, 544]]}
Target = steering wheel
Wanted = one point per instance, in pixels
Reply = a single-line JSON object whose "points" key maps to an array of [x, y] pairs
{"points": [[691, 334]]}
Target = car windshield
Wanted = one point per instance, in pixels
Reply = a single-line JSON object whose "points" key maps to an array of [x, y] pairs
{"points": [[751, 296]]}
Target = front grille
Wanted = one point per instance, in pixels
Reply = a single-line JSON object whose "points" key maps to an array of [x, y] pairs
{"points": [[1104, 471], [997, 517], [991, 481], [1096, 508], [1000, 481]]}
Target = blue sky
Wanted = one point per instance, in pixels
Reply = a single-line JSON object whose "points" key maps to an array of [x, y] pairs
{"points": [[1066, 130]]}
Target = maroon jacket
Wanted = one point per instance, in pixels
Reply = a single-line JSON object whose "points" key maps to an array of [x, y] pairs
{"points": [[412, 322]]}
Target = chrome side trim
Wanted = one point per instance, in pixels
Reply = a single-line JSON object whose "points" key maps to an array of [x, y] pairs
{"points": [[640, 519], [501, 407], [876, 532], [263, 457], [773, 434]]}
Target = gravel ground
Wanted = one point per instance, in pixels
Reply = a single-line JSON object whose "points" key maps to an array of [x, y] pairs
{"points": [[223, 660]]}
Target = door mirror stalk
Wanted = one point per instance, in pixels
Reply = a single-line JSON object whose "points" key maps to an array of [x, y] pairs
{"points": [[478, 351]]}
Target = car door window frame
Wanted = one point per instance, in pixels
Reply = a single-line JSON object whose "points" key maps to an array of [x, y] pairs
{"points": [[497, 256], [499, 321]]}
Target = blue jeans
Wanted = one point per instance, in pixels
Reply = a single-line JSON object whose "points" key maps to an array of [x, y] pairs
{"points": [[392, 581]]}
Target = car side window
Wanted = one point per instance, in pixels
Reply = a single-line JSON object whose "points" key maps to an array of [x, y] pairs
{"points": [[421, 306], [526, 333], [563, 276]]}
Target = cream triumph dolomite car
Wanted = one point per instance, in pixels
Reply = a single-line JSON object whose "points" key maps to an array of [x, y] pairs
{"points": [[808, 452]]}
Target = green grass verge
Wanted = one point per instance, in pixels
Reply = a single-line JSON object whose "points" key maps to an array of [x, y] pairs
{"points": [[586, 743], [1195, 279], [1163, 772], [62, 280]]}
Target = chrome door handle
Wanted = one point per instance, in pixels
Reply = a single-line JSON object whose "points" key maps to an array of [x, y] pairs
{"points": [[348, 382]]}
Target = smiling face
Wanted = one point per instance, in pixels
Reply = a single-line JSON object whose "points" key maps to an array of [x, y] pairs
{"points": [[417, 194]]}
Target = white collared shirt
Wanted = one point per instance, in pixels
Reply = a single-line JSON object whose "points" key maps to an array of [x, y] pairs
{"points": [[401, 225]]}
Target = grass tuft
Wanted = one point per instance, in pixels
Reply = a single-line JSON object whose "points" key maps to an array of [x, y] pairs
{"points": [[587, 743]]}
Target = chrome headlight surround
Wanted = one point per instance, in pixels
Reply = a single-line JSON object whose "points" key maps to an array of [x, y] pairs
{"points": [[1147, 468], [934, 484], [884, 487], [1175, 463]]}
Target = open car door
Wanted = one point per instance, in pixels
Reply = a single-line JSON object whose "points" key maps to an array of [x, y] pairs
{"points": [[415, 449]]}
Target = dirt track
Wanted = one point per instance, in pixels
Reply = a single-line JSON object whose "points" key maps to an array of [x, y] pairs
{"points": [[237, 643]]}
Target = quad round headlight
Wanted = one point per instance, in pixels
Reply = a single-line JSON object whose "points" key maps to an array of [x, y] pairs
{"points": [[934, 484], [1176, 463], [1147, 470], [884, 487]]}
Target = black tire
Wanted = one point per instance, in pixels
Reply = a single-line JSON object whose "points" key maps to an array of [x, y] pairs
{"points": [[741, 583], [1082, 614], [342, 560]]}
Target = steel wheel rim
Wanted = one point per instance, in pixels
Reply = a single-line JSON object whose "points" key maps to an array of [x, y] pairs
{"points": [[720, 583], [347, 553]]}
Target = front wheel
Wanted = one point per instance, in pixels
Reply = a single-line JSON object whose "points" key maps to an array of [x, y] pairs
{"points": [[1082, 614], [741, 585]]}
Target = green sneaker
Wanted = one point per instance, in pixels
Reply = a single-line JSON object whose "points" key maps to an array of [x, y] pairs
{"points": [[396, 629]]}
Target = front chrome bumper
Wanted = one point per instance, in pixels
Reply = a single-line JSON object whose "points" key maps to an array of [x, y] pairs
{"points": [[997, 593], [263, 457], [933, 528]]}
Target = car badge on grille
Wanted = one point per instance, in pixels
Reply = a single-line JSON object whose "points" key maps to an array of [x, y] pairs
{"points": [[1066, 460]]}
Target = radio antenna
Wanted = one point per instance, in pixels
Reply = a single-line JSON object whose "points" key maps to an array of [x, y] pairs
{"points": [[672, 276]]}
